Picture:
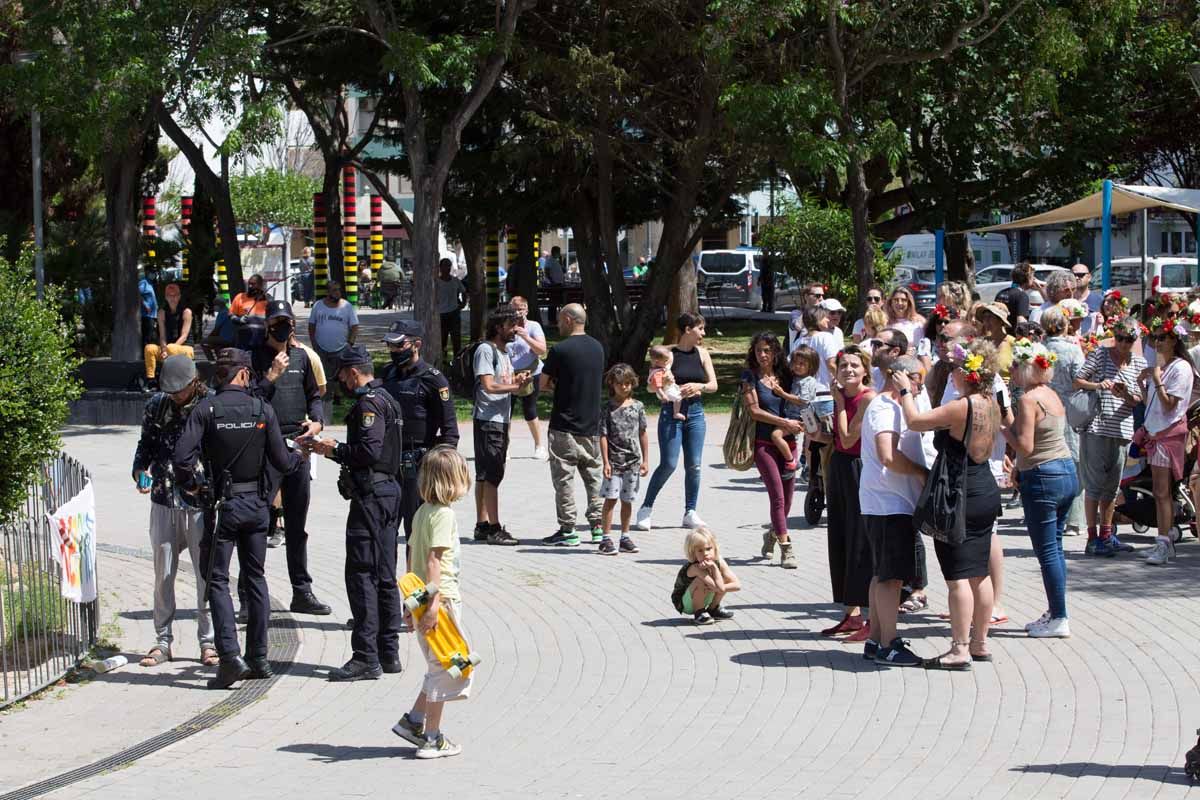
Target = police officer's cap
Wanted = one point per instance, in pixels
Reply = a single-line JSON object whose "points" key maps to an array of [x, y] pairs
{"points": [[279, 308], [352, 355], [402, 328], [233, 357], [177, 372]]}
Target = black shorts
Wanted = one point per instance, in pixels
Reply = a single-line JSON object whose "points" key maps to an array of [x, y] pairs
{"points": [[528, 403], [491, 448], [893, 550]]}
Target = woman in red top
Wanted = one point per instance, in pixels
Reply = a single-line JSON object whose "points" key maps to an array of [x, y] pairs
{"points": [[849, 557]]}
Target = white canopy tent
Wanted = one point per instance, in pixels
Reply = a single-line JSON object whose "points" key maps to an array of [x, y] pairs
{"points": [[1114, 198]]}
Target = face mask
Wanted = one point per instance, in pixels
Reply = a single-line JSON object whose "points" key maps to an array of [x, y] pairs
{"points": [[281, 333], [401, 358]]}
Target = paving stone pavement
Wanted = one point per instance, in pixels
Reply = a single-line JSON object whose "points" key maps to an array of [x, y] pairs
{"points": [[591, 686]]}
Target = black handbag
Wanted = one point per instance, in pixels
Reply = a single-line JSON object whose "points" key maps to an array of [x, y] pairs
{"points": [[941, 510]]}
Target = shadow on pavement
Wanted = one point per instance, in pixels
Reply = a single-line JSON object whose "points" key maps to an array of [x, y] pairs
{"points": [[848, 661], [1081, 769], [332, 754]]}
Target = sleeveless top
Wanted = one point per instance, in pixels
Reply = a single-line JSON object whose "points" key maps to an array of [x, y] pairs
{"points": [[851, 410], [687, 367], [1049, 442], [173, 323]]}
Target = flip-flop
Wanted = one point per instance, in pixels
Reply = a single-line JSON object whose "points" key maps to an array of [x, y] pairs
{"points": [[998, 620]]}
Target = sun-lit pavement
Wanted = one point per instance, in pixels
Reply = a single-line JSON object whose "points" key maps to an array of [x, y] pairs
{"points": [[592, 687]]}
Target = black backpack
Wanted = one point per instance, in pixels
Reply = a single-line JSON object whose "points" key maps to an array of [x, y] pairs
{"points": [[462, 371]]}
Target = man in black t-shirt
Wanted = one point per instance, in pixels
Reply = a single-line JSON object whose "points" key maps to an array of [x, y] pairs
{"points": [[574, 371], [1016, 297]]}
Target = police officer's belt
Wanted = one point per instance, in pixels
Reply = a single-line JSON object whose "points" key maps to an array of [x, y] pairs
{"points": [[382, 477], [243, 488]]}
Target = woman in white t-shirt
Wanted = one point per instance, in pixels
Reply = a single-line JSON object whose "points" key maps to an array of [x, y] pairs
{"points": [[903, 316], [1168, 389]]}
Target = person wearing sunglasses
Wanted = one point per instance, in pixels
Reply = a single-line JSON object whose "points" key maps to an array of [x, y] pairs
{"points": [[1113, 372], [873, 299], [1083, 290], [814, 295]]}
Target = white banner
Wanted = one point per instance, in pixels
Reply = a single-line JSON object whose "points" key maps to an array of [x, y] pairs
{"points": [[74, 548]]}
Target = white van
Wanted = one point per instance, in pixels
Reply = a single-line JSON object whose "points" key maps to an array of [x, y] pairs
{"points": [[1164, 275], [730, 276], [917, 249]]}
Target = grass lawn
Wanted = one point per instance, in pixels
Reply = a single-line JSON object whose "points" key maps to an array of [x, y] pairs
{"points": [[727, 341]]}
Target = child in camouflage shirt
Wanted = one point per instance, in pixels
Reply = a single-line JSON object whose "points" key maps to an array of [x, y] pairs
{"points": [[624, 446]]}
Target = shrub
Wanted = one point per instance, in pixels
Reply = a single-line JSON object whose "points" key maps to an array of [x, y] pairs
{"points": [[37, 381]]}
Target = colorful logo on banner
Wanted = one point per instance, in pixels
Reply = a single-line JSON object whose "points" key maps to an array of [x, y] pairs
{"points": [[74, 527]]}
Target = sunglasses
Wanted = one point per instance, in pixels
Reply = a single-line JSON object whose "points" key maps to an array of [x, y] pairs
{"points": [[1125, 339], [943, 338], [877, 343], [818, 295], [1162, 337], [874, 298]]}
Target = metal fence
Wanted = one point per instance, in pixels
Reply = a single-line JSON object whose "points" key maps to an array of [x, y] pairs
{"points": [[42, 635]]}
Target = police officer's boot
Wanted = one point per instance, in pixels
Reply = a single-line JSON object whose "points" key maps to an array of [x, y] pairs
{"points": [[355, 670], [260, 667], [230, 671], [305, 602]]}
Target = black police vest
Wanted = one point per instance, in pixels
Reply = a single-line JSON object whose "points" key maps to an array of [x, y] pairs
{"points": [[290, 401], [412, 396], [391, 456], [239, 426]]}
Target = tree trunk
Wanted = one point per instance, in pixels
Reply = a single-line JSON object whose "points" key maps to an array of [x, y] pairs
{"points": [[427, 204], [474, 244], [956, 258], [860, 214], [122, 171], [201, 253], [331, 188], [683, 298], [524, 276]]}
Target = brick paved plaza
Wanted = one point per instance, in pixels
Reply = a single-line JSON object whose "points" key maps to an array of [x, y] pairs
{"points": [[593, 687]]}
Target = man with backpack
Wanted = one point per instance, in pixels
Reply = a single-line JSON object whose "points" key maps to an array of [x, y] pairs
{"points": [[495, 384]]}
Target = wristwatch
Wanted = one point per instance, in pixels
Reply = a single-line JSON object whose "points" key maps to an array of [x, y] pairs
{"points": [[904, 392]]}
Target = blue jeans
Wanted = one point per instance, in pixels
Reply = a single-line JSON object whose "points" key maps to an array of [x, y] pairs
{"points": [[674, 434], [1046, 495]]}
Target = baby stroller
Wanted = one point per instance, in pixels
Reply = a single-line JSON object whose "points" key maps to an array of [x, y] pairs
{"points": [[1137, 487], [814, 498]]}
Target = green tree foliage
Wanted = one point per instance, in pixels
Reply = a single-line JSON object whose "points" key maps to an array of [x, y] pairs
{"points": [[814, 243], [37, 383], [271, 196]]}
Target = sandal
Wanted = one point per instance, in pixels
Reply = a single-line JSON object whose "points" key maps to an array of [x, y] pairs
{"points": [[156, 656], [948, 666], [209, 657], [982, 657], [999, 620], [914, 603]]}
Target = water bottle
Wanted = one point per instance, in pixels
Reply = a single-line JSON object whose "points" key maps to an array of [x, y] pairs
{"points": [[143, 480], [109, 664]]}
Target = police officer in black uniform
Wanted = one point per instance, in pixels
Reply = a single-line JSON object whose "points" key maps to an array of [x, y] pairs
{"points": [[285, 379], [425, 405], [235, 435], [370, 459]]}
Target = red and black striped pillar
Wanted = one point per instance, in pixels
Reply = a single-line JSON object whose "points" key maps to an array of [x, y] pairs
{"points": [[185, 227], [350, 233]]}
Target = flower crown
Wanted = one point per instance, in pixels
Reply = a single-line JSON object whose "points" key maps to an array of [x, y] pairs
{"points": [[1035, 353], [970, 363], [1126, 326], [941, 312], [1072, 309], [1115, 294]]}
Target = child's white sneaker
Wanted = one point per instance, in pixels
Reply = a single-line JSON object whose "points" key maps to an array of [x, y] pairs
{"points": [[1057, 628], [409, 731], [692, 520], [642, 521], [441, 747]]}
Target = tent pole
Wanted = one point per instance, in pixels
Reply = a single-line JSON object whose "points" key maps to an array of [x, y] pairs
{"points": [[939, 256], [1106, 235], [1145, 240]]}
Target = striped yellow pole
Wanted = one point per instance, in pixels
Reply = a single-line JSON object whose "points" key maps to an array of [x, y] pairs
{"points": [[492, 263], [350, 234], [222, 275], [376, 237], [511, 252], [149, 226], [537, 256], [185, 226], [321, 246]]}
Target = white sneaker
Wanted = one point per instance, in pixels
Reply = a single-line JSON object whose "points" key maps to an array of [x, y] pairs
{"points": [[642, 522], [1163, 553], [1071, 530], [541, 453], [1058, 628], [440, 747], [1042, 620], [692, 520]]}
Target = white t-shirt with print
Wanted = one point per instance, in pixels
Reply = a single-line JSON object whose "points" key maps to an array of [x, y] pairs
{"points": [[827, 348], [1177, 382], [882, 491]]}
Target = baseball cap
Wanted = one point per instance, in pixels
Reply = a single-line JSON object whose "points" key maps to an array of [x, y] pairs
{"points": [[402, 328], [279, 308], [352, 355], [176, 373], [831, 304], [233, 357]]}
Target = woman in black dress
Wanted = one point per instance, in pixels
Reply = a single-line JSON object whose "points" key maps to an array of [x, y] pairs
{"points": [[967, 425]]}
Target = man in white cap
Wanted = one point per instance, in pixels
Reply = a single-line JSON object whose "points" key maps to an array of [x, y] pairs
{"points": [[836, 310]]}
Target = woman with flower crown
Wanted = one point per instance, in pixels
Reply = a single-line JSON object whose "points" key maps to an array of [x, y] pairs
{"points": [[1046, 474], [965, 426]]}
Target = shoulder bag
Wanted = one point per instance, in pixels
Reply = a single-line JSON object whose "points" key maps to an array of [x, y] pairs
{"points": [[941, 510], [738, 448]]}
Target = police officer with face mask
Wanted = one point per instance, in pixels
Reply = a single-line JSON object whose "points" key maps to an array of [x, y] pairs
{"points": [[285, 379], [235, 435], [425, 405], [370, 459]]}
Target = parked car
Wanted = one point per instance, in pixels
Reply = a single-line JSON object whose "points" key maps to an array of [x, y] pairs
{"points": [[730, 276], [990, 281], [919, 279], [1164, 275]]}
